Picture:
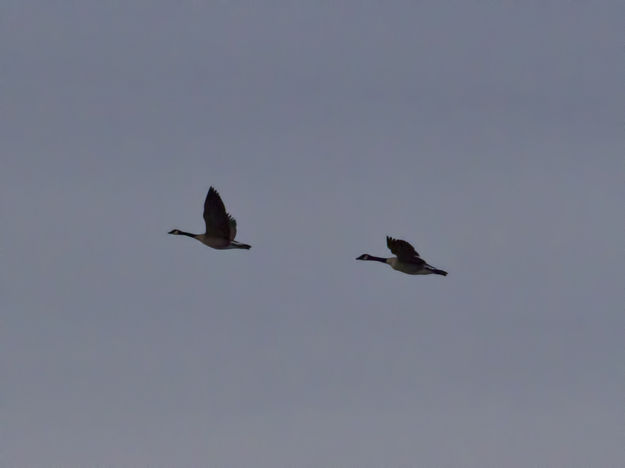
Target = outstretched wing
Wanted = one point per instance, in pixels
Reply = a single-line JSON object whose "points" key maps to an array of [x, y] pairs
{"points": [[233, 227], [215, 216], [402, 249]]}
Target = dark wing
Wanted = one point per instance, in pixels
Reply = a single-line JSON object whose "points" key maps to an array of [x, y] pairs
{"points": [[233, 227], [215, 216], [402, 249]]}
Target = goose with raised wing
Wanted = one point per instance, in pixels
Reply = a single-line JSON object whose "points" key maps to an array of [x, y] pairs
{"points": [[221, 227], [407, 259]]}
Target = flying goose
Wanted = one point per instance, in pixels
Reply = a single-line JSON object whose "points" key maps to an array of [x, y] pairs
{"points": [[407, 260], [221, 228]]}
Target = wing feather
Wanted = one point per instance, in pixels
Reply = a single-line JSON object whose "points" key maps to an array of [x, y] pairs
{"points": [[402, 249], [215, 216], [233, 227]]}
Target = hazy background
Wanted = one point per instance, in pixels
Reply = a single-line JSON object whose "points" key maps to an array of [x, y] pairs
{"points": [[489, 134]]}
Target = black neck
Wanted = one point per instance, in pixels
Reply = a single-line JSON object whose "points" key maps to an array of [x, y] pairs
{"points": [[182, 233], [376, 259]]}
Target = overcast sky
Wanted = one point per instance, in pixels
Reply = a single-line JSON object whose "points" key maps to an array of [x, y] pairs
{"points": [[488, 133]]}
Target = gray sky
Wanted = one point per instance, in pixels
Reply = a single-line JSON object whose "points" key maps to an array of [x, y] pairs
{"points": [[489, 134]]}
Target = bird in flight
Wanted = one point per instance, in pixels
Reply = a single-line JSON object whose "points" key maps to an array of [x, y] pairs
{"points": [[407, 259], [221, 227]]}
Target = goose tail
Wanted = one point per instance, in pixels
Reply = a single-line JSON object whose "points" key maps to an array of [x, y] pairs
{"points": [[239, 245]]}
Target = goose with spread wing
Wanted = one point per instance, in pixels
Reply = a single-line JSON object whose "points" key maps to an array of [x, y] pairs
{"points": [[407, 259], [221, 227]]}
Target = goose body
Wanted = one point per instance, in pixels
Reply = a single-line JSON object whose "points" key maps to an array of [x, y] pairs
{"points": [[407, 259], [221, 227]]}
